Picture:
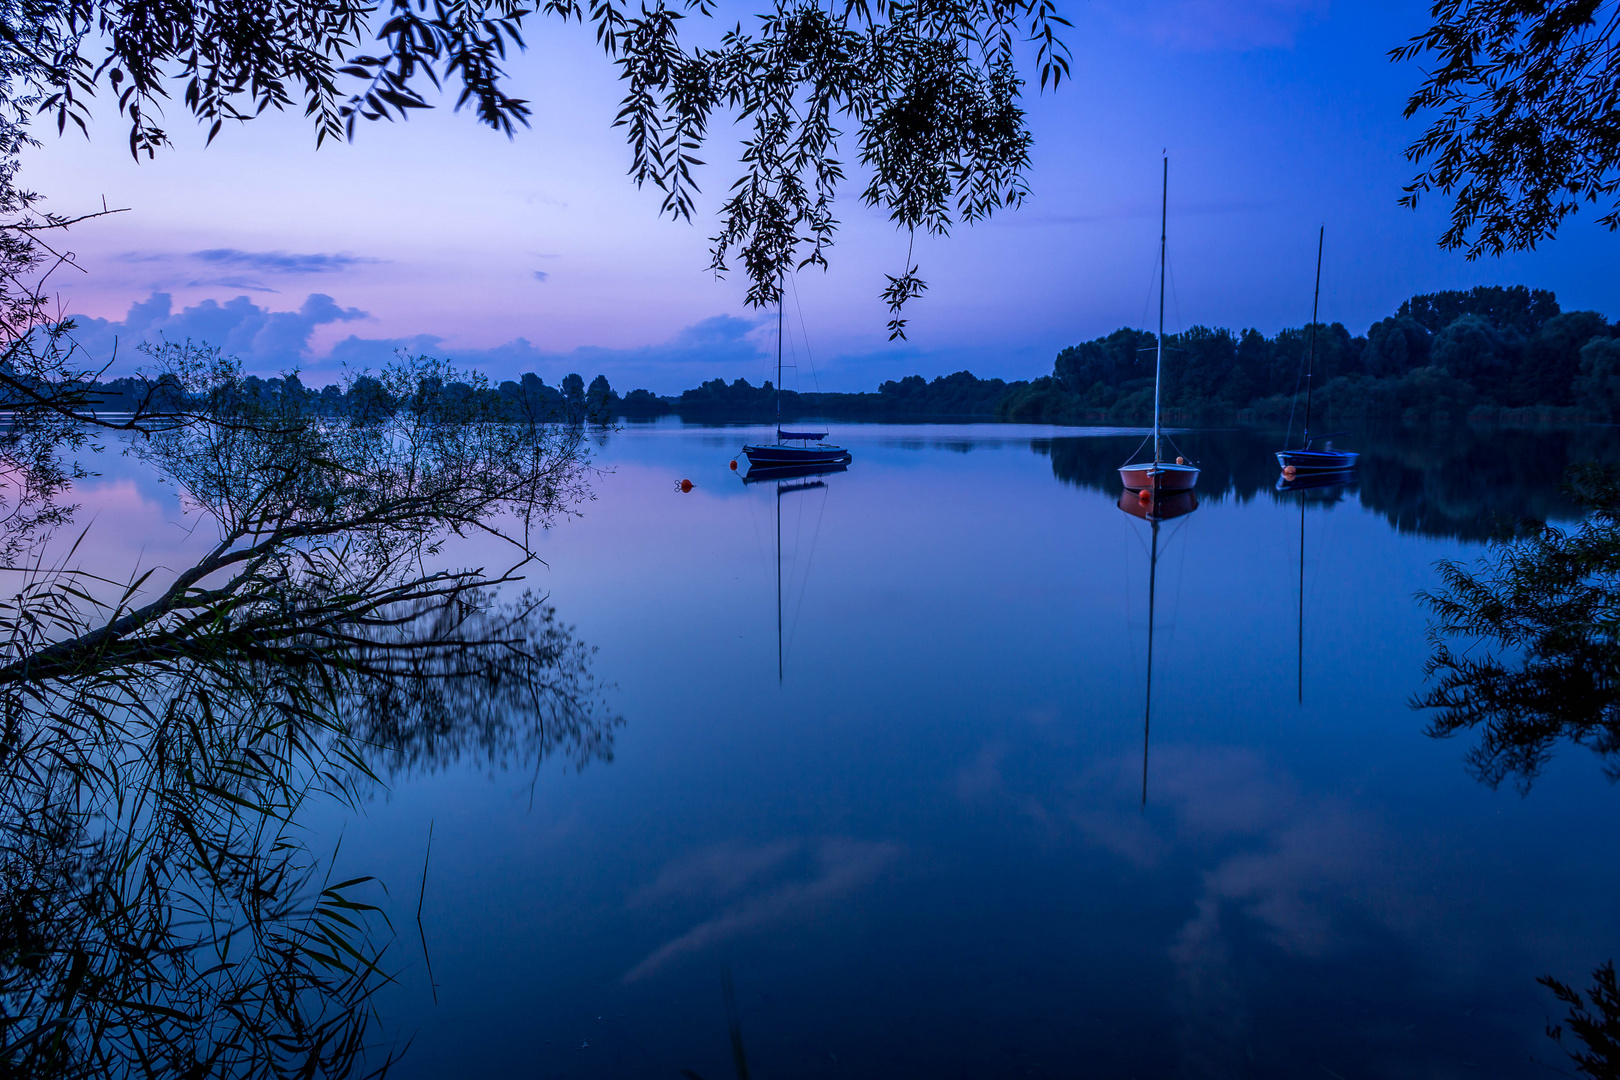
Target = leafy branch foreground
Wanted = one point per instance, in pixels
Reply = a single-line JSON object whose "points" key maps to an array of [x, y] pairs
{"points": [[161, 913], [931, 91]]}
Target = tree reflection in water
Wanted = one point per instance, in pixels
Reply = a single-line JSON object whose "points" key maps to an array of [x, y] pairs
{"points": [[1539, 615], [161, 911], [1595, 1027]]}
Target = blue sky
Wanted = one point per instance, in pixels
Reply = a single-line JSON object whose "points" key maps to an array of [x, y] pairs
{"points": [[537, 253]]}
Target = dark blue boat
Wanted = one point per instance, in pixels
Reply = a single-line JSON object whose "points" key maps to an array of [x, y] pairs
{"points": [[792, 447], [1309, 459], [1325, 460], [806, 452]]}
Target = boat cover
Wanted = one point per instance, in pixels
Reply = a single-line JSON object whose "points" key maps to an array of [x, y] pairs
{"points": [[782, 433]]}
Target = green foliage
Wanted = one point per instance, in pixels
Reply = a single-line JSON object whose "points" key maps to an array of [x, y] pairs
{"points": [[1441, 355], [956, 395], [931, 91], [1598, 386], [1520, 97], [1513, 306]]}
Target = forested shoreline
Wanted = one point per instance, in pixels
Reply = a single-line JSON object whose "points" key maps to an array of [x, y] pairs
{"points": [[1492, 353]]}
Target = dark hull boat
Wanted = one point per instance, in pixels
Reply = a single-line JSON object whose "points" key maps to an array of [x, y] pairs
{"points": [[1316, 461], [1307, 459], [1159, 475], [784, 453]]}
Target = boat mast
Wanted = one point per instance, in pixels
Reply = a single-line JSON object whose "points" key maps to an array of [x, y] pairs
{"points": [[1310, 363], [1158, 363], [779, 365]]}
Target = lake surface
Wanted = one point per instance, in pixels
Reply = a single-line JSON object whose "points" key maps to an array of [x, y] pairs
{"points": [[924, 831]]}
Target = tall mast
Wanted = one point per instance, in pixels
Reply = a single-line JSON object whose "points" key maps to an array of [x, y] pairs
{"points": [[779, 364], [1310, 363], [1158, 364]]}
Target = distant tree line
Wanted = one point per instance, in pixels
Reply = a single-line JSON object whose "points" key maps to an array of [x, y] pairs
{"points": [[366, 396], [1445, 354], [958, 395], [1487, 351]]}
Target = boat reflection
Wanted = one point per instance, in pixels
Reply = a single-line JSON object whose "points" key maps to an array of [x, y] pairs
{"points": [[1328, 486], [760, 474], [1167, 506], [1325, 489], [789, 479]]}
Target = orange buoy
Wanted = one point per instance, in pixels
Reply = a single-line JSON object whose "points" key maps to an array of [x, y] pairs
{"points": [[685, 486], [1290, 472], [733, 464], [1146, 495]]}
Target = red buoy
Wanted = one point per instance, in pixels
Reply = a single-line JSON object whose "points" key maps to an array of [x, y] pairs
{"points": [[1145, 495], [733, 464], [1289, 471], [685, 486]]}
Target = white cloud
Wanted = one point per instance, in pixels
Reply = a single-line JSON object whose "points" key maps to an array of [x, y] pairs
{"points": [[267, 341]]}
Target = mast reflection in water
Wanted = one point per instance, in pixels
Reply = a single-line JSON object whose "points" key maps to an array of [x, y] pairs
{"points": [[789, 479], [1154, 509], [1326, 489]]}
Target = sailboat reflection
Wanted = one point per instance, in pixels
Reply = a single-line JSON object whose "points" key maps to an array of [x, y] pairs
{"points": [[789, 479], [1154, 510], [1326, 488]]}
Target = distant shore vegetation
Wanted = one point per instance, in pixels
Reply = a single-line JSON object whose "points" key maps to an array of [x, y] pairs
{"points": [[1493, 353]]}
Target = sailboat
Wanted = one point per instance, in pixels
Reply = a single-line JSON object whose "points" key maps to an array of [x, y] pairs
{"points": [[1158, 475], [1154, 512], [1309, 459], [792, 447]]}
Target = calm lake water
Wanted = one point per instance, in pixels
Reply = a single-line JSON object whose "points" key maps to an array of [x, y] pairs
{"points": [[915, 832]]}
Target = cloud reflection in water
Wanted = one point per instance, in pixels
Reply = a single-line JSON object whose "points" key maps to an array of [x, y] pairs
{"points": [[839, 867]]}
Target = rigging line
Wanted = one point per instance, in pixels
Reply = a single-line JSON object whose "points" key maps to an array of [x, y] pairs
{"points": [[1132, 456], [804, 332], [1147, 297]]}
